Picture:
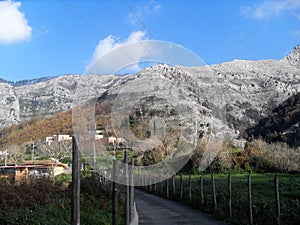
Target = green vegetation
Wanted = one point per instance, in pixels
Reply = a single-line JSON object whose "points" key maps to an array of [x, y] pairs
{"points": [[48, 202], [263, 197], [259, 158]]}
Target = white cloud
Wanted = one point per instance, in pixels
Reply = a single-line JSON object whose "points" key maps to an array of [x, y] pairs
{"points": [[136, 52], [142, 11], [13, 24], [270, 8], [111, 43]]}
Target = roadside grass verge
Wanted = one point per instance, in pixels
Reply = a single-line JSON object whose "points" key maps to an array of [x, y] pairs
{"points": [[263, 197]]}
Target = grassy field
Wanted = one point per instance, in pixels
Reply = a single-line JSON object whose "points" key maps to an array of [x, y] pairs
{"points": [[263, 197]]}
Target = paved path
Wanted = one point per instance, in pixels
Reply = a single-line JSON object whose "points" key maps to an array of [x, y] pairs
{"points": [[156, 210]]}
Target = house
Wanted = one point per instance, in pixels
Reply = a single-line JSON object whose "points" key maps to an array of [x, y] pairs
{"points": [[114, 140], [99, 134], [58, 138], [50, 140], [25, 172], [62, 137]]}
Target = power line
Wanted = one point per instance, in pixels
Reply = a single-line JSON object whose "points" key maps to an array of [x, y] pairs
{"points": [[110, 11], [81, 17], [121, 23], [138, 18], [90, 25]]}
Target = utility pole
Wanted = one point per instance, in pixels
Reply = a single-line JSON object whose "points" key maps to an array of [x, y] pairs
{"points": [[32, 153], [75, 208], [115, 149], [94, 140], [5, 158]]}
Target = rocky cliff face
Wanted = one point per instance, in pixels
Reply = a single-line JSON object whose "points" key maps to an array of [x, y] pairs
{"points": [[294, 57], [239, 92], [46, 98]]}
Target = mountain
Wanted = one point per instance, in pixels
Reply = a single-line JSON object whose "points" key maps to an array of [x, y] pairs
{"points": [[282, 125], [25, 82], [236, 94], [49, 97], [294, 57]]}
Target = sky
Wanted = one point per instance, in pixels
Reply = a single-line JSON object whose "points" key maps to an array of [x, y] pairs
{"points": [[58, 37]]}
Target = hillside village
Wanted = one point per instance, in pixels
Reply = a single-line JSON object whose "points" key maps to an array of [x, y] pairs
{"points": [[26, 170]]}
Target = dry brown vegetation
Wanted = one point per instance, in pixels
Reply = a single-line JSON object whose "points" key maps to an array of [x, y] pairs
{"points": [[273, 157], [36, 128]]}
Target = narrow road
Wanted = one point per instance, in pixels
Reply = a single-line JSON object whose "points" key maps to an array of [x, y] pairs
{"points": [[155, 210]]}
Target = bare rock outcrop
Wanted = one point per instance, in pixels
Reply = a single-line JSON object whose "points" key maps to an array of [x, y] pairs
{"points": [[237, 93]]}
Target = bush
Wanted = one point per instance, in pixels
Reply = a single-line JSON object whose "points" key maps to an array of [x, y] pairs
{"points": [[48, 202], [276, 157]]}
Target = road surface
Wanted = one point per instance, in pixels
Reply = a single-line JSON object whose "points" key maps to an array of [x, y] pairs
{"points": [[155, 210]]}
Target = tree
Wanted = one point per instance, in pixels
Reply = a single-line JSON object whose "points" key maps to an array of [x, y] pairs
{"points": [[57, 151], [14, 154]]}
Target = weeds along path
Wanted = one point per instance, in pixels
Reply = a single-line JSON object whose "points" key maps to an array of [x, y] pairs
{"points": [[155, 210]]}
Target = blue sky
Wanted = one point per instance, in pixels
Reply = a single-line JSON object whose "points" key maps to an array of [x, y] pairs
{"points": [[52, 38]]}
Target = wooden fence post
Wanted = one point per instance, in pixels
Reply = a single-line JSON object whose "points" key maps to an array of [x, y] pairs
{"points": [[190, 187], [167, 187], [181, 187], [201, 188], [142, 180], [277, 197], [127, 205], [173, 185], [138, 176], [150, 185], [75, 209], [161, 186], [146, 181], [229, 196], [214, 191], [250, 199], [114, 196], [132, 191]]}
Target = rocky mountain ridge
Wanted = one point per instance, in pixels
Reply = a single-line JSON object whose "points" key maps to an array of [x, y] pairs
{"points": [[46, 98], [282, 125], [26, 82], [240, 92]]}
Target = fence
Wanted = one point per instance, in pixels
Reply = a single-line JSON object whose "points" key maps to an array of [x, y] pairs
{"points": [[195, 191], [205, 193], [116, 189]]}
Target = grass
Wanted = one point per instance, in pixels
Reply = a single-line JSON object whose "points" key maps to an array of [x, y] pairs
{"points": [[263, 197]]}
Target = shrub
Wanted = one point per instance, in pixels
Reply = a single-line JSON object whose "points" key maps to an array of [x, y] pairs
{"points": [[273, 157]]}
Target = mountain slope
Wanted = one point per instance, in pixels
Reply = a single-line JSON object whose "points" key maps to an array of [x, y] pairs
{"points": [[283, 124], [239, 93], [19, 103]]}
